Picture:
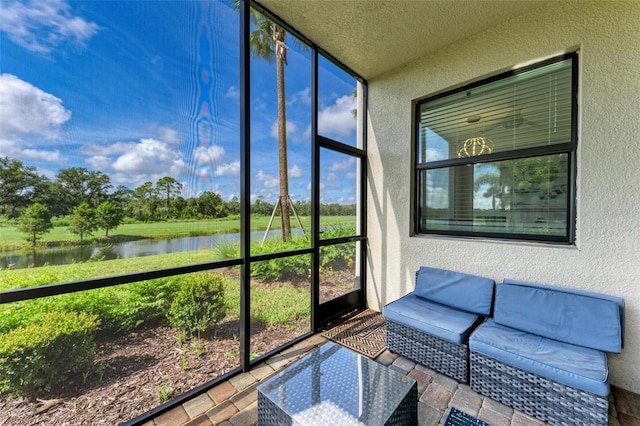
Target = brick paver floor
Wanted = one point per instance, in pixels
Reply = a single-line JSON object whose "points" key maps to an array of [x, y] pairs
{"points": [[235, 402]]}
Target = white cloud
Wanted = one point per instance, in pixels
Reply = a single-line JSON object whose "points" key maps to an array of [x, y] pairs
{"points": [[48, 173], [133, 163], [26, 109], [42, 155], [99, 162], [168, 135], [211, 154], [41, 26], [269, 181], [206, 159], [228, 169], [338, 119], [8, 148], [149, 156], [345, 200], [16, 148], [438, 198], [291, 127], [342, 165], [233, 92], [330, 177], [302, 97], [295, 172], [435, 155]]}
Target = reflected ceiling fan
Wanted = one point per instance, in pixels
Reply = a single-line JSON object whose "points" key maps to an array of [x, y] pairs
{"points": [[511, 121], [479, 145]]}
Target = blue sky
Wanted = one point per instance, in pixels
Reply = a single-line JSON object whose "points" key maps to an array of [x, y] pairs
{"points": [[143, 89]]}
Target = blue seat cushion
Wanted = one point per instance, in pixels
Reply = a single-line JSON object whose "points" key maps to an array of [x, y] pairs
{"points": [[547, 311], [463, 291], [575, 366], [441, 321]]}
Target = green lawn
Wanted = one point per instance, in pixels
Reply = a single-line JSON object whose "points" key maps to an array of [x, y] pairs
{"points": [[30, 277], [21, 278], [12, 239]]}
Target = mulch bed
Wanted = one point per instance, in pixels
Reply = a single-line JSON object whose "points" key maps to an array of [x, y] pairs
{"points": [[132, 368]]}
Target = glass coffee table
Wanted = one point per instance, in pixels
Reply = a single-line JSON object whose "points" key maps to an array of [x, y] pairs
{"points": [[336, 386]]}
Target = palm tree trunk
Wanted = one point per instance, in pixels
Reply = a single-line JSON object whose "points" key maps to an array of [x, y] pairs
{"points": [[282, 137]]}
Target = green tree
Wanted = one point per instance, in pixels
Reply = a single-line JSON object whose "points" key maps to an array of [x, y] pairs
{"points": [[17, 183], [98, 187], [210, 204], [124, 198], [233, 205], [178, 205], [109, 216], [146, 202], [535, 179], [35, 221], [79, 185], [121, 195], [303, 207], [49, 194], [168, 188], [83, 221], [260, 206]]}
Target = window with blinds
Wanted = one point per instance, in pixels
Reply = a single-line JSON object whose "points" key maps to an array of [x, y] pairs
{"points": [[497, 158]]}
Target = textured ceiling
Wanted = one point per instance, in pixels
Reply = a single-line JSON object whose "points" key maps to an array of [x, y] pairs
{"points": [[376, 36]]}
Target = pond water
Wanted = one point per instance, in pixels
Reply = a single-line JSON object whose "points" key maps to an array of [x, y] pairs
{"points": [[109, 251]]}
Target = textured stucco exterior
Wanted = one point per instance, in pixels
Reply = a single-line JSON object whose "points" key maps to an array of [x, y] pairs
{"points": [[606, 256]]}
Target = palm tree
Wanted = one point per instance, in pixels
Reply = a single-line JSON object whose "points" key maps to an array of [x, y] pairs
{"points": [[494, 186], [267, 41]]}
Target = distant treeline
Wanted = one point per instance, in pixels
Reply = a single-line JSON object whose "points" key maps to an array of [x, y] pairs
{"points": [[21, 187]]}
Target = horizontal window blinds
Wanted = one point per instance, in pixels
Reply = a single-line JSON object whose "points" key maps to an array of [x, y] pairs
{"points": [[524, 110]]}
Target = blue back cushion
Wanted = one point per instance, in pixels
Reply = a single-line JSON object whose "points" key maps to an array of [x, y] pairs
{"points": [[467, 292], [580, 318], [618, 300]]}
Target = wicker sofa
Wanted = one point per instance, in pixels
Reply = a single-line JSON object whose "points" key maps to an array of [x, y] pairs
{"points": [[432, 324], [544, 351]]}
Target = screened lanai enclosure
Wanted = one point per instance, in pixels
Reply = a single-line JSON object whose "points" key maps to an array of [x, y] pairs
{"points": [[183, 195], [191, 188]]}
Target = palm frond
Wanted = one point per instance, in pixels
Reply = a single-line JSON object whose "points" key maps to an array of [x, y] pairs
{"points": [[261, 45]]}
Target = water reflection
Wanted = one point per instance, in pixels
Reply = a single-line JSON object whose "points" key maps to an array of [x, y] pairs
{"points": [[122, 250]]}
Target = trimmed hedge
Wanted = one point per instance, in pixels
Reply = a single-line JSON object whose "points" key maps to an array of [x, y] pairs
{"points": [[45, 353]]}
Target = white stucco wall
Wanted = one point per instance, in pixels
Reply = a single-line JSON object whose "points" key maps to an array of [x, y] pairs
{"points": [[606, 257]]}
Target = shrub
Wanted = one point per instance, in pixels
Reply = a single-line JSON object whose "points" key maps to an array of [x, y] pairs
{"points": [[282, 269], [60, 221], [141, 302], [226, 249], [44, 354], [120, 308], [199, 303], [297, 267], [279, 269]]}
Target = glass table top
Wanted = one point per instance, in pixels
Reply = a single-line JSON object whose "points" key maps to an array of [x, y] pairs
{"points": [[336, 386]]}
